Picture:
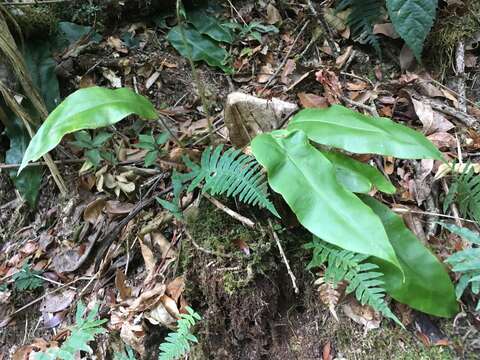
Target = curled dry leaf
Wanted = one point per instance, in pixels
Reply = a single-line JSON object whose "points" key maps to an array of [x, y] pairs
{"points": [[362, 314], [386, 29], [165, 313], [308, 100], [443, 140], [134, 335], [331, 85], [115, 207], [175, 288], [329, 295], [445, 169], [149, 258], [53, 303], [120, 282], [93, 211], [147, 300]]}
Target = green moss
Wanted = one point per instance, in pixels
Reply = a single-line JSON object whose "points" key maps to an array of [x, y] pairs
{"points": [[453, 25], [36, 20]]}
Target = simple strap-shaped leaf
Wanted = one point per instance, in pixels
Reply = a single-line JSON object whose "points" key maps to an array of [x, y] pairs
{"points": [[346, 129], [89, 108], [307, 181], [412, 20], [210, 26], [425, 285], [357, 176]]}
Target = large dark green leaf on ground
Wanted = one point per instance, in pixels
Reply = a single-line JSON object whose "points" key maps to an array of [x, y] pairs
{"points": [[198, 47], [41, 65], [356, 176], [88, 108], [28, 182], [307, 181], [210, 26], [426, 285], [346, 129], [69, 33], [412, 20]]}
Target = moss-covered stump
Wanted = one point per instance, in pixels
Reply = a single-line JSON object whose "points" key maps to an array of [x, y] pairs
{"points": [[250, 310]]}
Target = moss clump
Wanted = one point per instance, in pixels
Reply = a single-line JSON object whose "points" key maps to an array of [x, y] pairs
{"points": [[35, 20], [453, 25], [215, 231]]}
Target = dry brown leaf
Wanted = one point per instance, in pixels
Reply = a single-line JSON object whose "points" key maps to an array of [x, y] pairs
{"points": [[406, 58], [160, 315], [53, 303], [363, 315], [329, 295], [115, 207], [29, 248], [386, 29], [115, 80], [308, 100], [443, 140], [151, 80], [265, 72], [388, 164], [93, 211], [445, 169], [120, 282], [175, 288], [273, 15], [288, 70], [149, 258], [147, 300], [331, 85], [117, 44], [341, 60], [134, 336]]}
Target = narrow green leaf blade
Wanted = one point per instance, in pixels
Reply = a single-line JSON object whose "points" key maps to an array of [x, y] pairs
{"points": [[425, 285], [412, 20], [88, 108], [356, 176], [307, 182], [346, 129]]}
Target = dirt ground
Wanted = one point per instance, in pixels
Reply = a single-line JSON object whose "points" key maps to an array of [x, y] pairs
{"points": [[246, 298]]}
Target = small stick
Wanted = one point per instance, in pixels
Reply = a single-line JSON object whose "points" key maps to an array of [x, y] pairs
{"points": [[407, 211], [277, 240], [371, 109], [460, 70], [323, 23], [244, 220]]}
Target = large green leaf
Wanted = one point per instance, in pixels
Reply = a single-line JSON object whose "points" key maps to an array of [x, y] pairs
{"points": [[346, 129], [41, 65], [89, 108], [198, 47], [412, 20], [208, 25], [307, 181], [356, 176], [28, 182], [425, 285]]}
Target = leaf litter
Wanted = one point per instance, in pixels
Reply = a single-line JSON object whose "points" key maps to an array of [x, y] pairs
{"points": [[137, 276]]}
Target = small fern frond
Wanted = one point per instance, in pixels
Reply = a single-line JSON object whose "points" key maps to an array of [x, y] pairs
{"points": [[363, 16], [361, 276], [466, 262], [177, 344], [232, 173], [465, 192]]}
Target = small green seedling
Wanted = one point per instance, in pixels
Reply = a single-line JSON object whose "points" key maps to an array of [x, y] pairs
{"points": [[94, 147], [27, 279], [153, 145]]}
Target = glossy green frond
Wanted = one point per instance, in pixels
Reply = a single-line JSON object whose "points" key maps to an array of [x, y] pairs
{"points": [[232, 173], [362, 277]]}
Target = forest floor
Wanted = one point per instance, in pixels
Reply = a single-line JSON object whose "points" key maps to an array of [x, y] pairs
{"points": [[107, 248]]}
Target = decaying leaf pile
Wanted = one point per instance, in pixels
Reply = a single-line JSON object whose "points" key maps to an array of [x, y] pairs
{"points": [[107, 253]]}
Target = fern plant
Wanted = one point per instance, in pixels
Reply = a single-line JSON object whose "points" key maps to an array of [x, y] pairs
{"points": [[81, 334], [177, 344], [364, 14], [362, 277], [466, 262], [465, 192], [232, 173]]}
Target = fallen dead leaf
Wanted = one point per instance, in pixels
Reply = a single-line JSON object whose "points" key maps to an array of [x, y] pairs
{"points": [[308, 100], [175, 288], [120, 282], [53, 303], [363, 315], [273, 15], [443, 140], [93, 211], [386, 29]]}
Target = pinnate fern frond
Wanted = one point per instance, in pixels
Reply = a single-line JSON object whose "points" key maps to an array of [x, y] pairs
{"points": [[465, 192], [83, 332], [177, 344], [232, 173], [363, 16], [466, 262], [361, 276]]}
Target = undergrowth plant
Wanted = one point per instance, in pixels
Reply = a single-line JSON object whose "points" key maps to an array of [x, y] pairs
{"points": [[178, 344], [95, 149], [412, 20], [363, 277], [153, 145], [466, 262], [27, 279], [465, 192], [81, 333]]}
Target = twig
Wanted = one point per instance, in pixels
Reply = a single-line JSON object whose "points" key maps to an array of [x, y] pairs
{"points": [[244, 220], [321, 19], [206, 251], [287, 56], [289, 270], [371, 109], [453, 206], [460, 70], [407, 211]]}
